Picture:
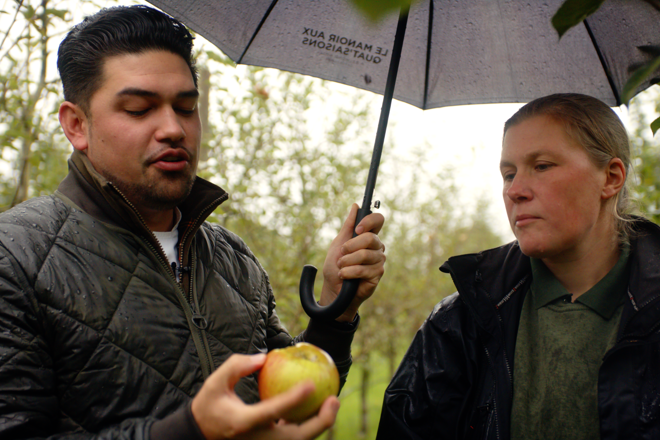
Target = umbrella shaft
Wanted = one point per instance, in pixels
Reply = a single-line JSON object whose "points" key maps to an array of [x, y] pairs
{"points": [[385, 109]]}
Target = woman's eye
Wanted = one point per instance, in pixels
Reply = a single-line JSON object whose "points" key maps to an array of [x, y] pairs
{"points": [[186, 111]]}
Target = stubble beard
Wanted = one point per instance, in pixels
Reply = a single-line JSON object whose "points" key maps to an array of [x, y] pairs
{"points": [[165, 193]]}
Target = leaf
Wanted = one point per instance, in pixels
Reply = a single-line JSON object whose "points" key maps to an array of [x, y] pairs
{"points": [[572, 13], [638, 77], [28, 12], [377, 9], [650, 50], [222, 59], [60, 13], [655, 126]]}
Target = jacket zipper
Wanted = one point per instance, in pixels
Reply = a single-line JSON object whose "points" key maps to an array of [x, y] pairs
{"points": [[621, 344], [203, 349], [205, 356], [494, 413], [198, 337]]}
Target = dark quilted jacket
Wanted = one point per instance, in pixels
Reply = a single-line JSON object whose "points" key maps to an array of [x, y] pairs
{"points": [[456, 380], [96, 335]]}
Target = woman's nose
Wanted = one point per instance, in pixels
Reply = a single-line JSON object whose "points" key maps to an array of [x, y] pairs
{"points": [[518, 190]]}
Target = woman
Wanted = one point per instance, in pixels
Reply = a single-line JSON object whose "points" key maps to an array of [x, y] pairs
{"points": [[556, 334]]}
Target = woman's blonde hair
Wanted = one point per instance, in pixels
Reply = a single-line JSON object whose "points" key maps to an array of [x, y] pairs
{"points": [[594, 126]]}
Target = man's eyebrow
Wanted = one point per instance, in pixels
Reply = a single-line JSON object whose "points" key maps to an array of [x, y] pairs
{"points": [[192, 93], [135, 91]]}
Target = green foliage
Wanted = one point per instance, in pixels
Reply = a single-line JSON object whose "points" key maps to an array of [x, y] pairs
{"points": [[655, 125], [290, 183], [378, 9], [32, 145], [426, 223], [645, 188], [641, 74], [572, 13], [349, 424]]}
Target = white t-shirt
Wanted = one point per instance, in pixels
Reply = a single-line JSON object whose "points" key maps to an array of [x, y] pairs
{"points": [[169, 240]]}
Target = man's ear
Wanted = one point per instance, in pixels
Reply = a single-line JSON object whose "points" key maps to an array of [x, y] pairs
{"points": [[615, 173], [75, 124]]}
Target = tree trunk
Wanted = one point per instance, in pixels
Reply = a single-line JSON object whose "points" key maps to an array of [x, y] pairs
{"points": [[391, 355], [31, 131], [330, 433], [23, 172], [204, 104], [364, 401]]}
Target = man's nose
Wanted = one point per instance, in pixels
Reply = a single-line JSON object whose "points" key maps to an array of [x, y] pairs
{"points": [[170, 127]]}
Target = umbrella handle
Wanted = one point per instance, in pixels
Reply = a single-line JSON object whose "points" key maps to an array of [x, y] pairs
{"points": [[344, 298], [349, 287]]}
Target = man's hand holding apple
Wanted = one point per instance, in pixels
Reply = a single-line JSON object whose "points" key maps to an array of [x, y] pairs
{"points": [[221, 414]]}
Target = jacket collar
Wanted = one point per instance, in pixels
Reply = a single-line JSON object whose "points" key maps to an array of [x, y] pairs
{"points": [[95, 195], [642, 312], [489, 279]]}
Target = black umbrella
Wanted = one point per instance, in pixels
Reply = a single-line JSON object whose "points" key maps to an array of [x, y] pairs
{"points": [[453, 53]]}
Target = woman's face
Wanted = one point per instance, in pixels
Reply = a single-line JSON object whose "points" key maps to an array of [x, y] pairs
{"points": [[553, 193]]}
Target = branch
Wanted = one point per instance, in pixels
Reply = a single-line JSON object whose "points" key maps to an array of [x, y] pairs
{"points": [[31, 130], [18, 8]]}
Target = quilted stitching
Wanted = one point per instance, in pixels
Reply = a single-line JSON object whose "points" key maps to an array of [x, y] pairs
{"points": [[112, 326]]}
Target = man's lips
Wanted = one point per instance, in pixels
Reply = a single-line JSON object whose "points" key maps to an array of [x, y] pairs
{"points": [[172, 160]]}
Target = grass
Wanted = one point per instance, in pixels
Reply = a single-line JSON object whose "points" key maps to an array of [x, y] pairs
{"points": [[347, 426]]}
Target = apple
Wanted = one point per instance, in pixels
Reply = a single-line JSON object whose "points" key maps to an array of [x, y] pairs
{"points": [[287, 367]]}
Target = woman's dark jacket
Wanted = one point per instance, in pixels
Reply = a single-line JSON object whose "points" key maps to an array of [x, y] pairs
{"points": [[456, 380], [97, 337]]}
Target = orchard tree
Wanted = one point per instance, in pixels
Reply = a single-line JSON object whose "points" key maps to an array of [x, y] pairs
{"points": [[291, 180], [33, 146], [291, 183], [427, 222], [645, 179]]}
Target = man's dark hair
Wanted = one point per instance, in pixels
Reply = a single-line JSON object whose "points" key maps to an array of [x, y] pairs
{"points": [[116, 31]]}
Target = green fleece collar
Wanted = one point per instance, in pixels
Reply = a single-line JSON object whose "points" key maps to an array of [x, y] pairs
{"points": [[603, 298]]}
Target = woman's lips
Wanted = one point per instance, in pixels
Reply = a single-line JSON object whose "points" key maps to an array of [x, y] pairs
{"points": [[523, 220]]}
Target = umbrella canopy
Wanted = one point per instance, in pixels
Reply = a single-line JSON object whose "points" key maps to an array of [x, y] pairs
{"points": [[450, 52], [454, 52]]}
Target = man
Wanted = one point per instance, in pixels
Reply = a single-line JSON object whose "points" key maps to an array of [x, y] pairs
{"points": [[123, 314]]}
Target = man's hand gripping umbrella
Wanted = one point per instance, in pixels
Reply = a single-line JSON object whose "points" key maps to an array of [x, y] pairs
{"points": [[344, 302]]}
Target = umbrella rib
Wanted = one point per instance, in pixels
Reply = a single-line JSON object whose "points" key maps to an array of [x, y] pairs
{"points": [[606, 69], [256, 31], [428, 56]]}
